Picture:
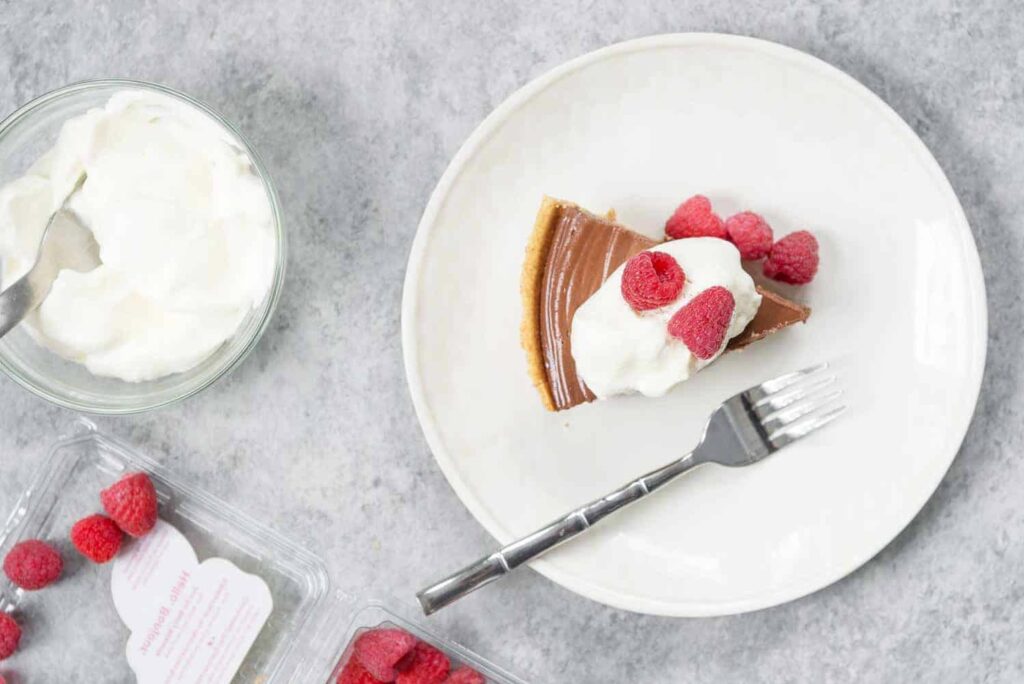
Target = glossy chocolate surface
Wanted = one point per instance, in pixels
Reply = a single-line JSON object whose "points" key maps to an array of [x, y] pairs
{"points": [[584, 251]]}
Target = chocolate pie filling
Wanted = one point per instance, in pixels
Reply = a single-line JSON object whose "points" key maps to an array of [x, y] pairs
{"points": [[584, 251]]}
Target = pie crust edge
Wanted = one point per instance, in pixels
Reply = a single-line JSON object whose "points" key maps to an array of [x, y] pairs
{"points": [[530, 289]]}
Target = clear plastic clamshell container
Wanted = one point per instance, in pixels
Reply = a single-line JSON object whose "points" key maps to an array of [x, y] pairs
{"points": [[351, 617], [74, 628]]}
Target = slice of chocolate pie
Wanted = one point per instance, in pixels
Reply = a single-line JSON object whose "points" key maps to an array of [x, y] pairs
{"points": [[569, 256]]}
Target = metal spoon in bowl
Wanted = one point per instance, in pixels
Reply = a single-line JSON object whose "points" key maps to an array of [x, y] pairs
{"points": [[66, 243]]}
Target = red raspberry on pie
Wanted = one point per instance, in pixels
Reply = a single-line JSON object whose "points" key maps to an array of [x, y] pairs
{"points": [[694, 218], [793, 259], [750, 233], [651, 280], [703, 323]]}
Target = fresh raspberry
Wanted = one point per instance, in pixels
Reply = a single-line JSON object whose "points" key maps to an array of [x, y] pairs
{"points": [[465, 675], [2, 680], [97, 537], [33, 564], [427, 665], [131, 503], [793, 259], [704, 321], [750, 233], [650, 280], [354, 673], [379, 650], [694, 218], [10, 635]]}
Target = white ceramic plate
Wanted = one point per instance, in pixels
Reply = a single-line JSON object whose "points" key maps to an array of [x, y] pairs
{"points": [[899, 308]]}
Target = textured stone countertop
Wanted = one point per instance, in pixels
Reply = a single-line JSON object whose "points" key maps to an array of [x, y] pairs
{"points": [[357, 108]]}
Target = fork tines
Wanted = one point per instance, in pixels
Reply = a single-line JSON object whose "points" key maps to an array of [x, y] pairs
{"points": [[796, 404]]}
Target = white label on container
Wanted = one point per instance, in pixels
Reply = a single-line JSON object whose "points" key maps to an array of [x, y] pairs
{"points": [[190, 621]]}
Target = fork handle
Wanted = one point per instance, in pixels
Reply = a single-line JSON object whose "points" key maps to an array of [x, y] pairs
{"points": [[578, 521]]}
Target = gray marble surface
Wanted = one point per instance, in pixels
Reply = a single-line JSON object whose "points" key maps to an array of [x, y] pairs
{"points": [[357, 108]]}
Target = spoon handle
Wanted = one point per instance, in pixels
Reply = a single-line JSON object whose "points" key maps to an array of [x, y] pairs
{"points": [[61, 246], [22, 297]]}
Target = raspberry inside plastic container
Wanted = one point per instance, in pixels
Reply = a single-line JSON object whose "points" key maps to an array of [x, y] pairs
{"points": [[376, 615]]}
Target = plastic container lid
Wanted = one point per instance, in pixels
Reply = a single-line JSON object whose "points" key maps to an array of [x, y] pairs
{"points": [[74, 628]]}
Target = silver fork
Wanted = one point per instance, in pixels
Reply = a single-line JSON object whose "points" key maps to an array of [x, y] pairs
{"points": [[743, 430]]}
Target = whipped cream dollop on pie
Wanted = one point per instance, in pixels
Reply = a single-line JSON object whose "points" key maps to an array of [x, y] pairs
{"points": [[618, 350]]}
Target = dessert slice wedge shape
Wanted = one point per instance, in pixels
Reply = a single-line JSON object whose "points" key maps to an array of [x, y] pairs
{"points": [[570, 254]]}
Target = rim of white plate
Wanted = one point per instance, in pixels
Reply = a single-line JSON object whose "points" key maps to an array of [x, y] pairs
{"points": [[411, 293]]}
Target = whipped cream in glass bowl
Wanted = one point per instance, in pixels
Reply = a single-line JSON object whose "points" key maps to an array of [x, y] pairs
{"points": [[191, 242]]}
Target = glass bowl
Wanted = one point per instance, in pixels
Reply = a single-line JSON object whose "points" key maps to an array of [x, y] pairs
{"points": [[24, 136]]}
